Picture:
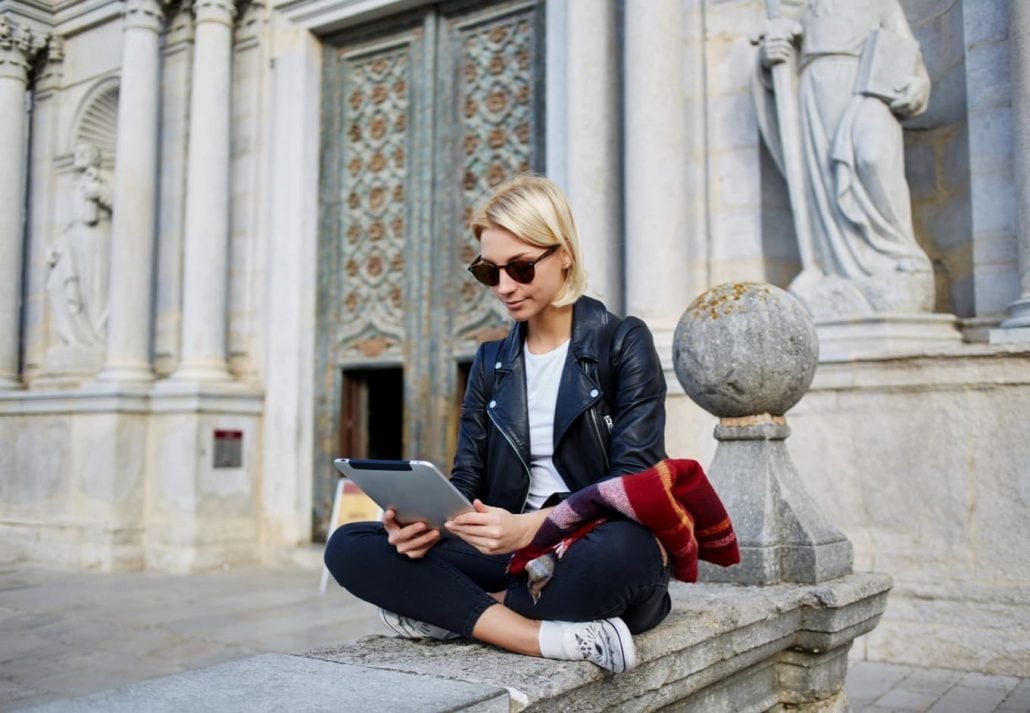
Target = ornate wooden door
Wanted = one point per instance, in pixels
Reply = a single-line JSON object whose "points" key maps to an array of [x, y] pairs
{"points": [[423, 114]]}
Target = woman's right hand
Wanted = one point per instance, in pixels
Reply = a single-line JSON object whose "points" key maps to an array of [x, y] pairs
{"points": [[412, 540]]}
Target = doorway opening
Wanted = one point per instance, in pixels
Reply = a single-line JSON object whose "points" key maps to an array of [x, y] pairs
{"points": [[372, 414]]}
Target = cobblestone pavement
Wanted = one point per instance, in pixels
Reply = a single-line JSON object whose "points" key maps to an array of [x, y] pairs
{"points": [[874, 687], [65, 634]]}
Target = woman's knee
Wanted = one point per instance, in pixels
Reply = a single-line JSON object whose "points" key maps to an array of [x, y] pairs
{"points": [[349, 551], [627, 543]]}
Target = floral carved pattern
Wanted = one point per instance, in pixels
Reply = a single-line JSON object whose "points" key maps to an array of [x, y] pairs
{"points": [[498, 123], [375, 171]]}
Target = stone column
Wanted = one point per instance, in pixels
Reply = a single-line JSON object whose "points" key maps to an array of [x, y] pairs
{"points": [[1019, 61], [657, 216], [42, 190], [17, 47], [592, 142], [133, 220], [206, 249]]}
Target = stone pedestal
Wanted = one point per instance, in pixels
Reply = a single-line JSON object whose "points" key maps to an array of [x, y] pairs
{"points": [[782, 534], [75, 493], [203, 510], [886, 335], [747, 353]]}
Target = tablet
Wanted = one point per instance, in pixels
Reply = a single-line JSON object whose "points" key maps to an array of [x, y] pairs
{"points": [[415, 489]]}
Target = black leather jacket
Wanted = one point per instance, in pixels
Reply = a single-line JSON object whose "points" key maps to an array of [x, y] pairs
{"points": [[596, 435]]}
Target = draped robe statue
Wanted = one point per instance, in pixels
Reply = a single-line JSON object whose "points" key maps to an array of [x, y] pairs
{"points": [[77, 284], [860, 70]]}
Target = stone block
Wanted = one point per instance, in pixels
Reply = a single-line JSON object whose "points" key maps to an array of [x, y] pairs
{"points": [[736, 179], [731, 123], [984, 22], [275, 682], [884, 335], [942, 496], [736, 237], [993, 202], [994, 139], [987, 77], [90, 55], [997, 286]]}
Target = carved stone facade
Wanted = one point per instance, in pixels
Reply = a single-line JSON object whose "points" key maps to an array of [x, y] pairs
{"points": [[274, 204]]}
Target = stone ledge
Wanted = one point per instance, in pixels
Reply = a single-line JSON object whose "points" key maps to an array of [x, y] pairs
{"points": [[276, 682], [724, 648]]}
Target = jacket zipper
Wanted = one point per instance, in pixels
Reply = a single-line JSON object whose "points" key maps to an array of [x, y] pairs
{"points": [[595, 419], [511, 443], [600, 441]]}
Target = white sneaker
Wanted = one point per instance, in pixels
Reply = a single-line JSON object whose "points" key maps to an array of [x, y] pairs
{"points": [[408, 628], [606, 642]]}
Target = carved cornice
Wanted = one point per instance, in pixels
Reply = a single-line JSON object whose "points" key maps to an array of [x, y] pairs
{"points": [[252, 22], [53, 69], [220, 11], [143, 14], [19, 46], [180, 27]]}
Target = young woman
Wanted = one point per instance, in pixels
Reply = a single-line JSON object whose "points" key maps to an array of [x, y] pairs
{"points": [[537, 422]]}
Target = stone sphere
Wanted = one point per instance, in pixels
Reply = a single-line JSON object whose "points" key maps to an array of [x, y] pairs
{"points": [[745, 348]]}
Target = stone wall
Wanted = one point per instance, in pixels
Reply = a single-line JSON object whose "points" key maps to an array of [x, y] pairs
{"points": [[922, 462]]}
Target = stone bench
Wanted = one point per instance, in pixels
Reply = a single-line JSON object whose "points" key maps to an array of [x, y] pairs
{"points": [[724, 647]]}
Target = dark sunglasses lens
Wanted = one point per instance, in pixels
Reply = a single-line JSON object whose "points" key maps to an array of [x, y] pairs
{"points": [[488, 274], [521, 271]]}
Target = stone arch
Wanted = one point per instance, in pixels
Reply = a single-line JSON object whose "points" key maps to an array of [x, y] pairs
{"points": [[96, 121]]}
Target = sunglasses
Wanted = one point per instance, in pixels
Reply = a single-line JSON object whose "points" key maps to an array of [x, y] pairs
{"points": [[522, 271]]}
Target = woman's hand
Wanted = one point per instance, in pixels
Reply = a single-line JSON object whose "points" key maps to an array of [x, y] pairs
{"points": [[413, 540], [495, 531]]}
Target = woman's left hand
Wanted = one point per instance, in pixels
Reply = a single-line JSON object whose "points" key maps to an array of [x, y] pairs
{"points": [[495, 531]]}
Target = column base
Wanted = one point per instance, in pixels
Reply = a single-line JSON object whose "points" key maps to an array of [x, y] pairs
{"points": [[206, 372], [10, 383], [886, 335], [125, 374], [1019, 314]]}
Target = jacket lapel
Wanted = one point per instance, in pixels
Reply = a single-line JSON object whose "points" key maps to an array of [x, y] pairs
{"points": [[577, 391], [508, 407]]}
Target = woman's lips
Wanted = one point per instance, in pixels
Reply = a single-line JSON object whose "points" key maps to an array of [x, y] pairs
{"points": [[514, 305]]}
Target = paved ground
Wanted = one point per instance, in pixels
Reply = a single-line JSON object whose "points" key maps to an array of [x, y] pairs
{"points": [[65, 634], [883, 688]]}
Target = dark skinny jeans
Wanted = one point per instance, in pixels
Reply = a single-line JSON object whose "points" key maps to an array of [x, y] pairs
{"points": [[616, 570]]}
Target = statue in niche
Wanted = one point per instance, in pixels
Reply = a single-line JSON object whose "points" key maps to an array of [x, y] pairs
{"points": [[837, 138], [78, 280]]}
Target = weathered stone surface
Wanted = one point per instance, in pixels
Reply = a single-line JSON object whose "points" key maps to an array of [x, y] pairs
{"points": [[747, 352], [745, 348], [723, 648], [274, 682]]}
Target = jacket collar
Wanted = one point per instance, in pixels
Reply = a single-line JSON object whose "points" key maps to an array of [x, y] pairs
{"points": [[588, 318]]}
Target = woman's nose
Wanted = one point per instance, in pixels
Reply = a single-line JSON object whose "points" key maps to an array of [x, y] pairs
{"points": [[505, 285]]}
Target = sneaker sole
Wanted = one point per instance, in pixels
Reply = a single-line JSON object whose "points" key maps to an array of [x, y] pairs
{"points": [[625, 643]]}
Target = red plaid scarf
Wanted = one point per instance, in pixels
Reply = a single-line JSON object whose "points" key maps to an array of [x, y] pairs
{"points": [[673, 499]]}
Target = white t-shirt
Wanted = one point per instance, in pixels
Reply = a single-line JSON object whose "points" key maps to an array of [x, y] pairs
{"points": [[543, 374]]}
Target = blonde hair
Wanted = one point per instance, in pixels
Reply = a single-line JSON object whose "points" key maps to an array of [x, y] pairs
{"points": [[536, 211]]}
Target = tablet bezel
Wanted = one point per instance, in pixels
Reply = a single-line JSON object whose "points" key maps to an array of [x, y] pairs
{"points": [[415, 489]]}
